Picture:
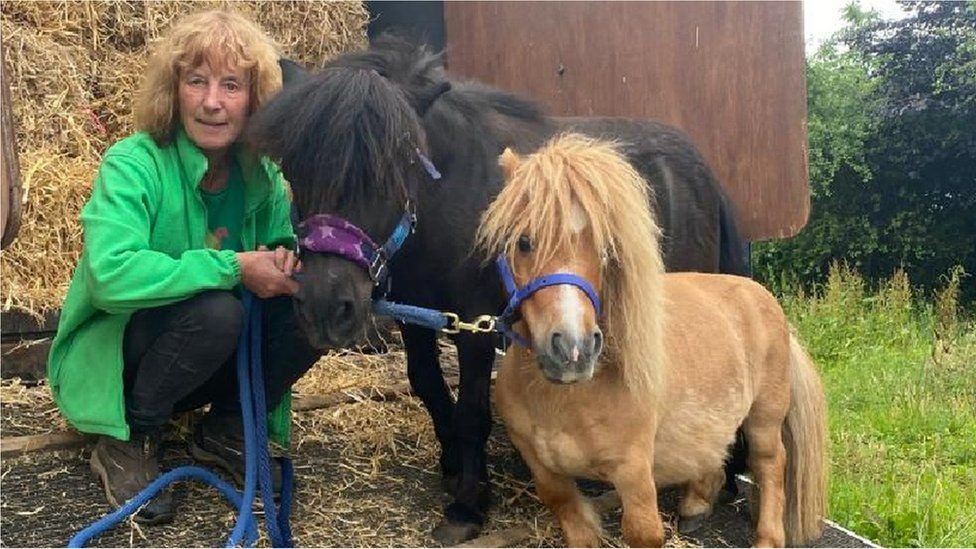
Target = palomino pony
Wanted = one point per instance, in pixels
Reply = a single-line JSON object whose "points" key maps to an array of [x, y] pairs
{"points": [[354, 139], [649, 393]]}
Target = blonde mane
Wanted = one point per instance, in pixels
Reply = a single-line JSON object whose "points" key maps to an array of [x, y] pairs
{"points": [[538, 200]]}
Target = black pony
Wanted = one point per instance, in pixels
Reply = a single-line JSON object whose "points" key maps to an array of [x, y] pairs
{"points": [[353, 139]]}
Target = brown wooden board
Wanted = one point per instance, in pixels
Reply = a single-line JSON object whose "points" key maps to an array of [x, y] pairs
{"points": [[16, 325], [24, 344], [730, 74], [10, 190], [26, 359]]}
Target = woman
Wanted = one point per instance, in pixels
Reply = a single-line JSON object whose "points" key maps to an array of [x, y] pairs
{"points": [[181, 215]]}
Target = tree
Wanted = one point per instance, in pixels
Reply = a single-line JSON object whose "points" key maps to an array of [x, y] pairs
{"points": [[892, 150]]}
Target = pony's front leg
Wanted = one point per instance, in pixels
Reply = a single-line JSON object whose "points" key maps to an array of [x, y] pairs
{"points": [[464, 517], [634, 480], [579, 521], [427, 382]]}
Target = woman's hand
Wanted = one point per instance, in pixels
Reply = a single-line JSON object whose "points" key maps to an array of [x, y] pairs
{"points": [[268, 274], [285, 260]]}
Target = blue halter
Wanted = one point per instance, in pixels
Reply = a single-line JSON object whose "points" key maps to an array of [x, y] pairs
{"points": [[517, 295]]}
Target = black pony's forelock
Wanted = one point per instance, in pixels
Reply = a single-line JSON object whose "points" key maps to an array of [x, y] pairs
{"points": [[343, 136], [414, 67]]}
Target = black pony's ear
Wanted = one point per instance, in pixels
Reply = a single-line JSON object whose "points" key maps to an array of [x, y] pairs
{"points": [[291, 72], [426, 97]]}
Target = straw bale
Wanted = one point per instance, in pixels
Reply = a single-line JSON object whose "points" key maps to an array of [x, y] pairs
{"points": [[74, 68], [38, 265]]}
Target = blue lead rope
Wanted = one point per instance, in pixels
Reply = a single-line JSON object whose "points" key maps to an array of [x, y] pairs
{"points": [[111, 520], [257, 459], [410, 314], [276, 520]]}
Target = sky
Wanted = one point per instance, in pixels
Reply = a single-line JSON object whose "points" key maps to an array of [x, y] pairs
{"points": [[821, 18]]}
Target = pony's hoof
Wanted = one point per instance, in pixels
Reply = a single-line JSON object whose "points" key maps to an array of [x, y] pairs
{"points": [[450, 533], [689, 525], [726, 497]]}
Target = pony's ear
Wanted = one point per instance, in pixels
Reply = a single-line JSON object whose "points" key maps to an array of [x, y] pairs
{"points": [[291, 72], [509, 161], [426, 97]]}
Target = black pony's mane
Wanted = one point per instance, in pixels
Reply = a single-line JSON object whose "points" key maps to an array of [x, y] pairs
{"points": [[349, 133]]}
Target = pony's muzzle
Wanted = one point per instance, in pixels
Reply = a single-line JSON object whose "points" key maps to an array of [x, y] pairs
{"points": [[571, 356], [332, 301]]}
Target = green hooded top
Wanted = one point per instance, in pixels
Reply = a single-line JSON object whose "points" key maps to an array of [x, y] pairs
{"points": [[145, 229]]}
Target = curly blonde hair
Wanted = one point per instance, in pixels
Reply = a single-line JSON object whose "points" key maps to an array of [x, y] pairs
{"points": [[219, 37]]}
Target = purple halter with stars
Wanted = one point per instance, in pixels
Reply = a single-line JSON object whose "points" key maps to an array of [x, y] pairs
{"points": [[331, 234], [326, 233]]}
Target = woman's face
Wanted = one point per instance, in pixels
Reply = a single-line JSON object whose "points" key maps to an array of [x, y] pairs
{"points": [[214, 104]]}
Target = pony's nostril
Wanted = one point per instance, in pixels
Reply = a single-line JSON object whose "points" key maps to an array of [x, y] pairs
{"points": [[343, 311], [555, 341], [597, 342]]}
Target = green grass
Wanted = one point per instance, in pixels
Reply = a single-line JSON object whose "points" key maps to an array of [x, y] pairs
{"points": [[900, 378]]}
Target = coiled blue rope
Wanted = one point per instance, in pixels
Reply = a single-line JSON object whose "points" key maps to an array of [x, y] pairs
{"points": [[257, 459], [194, 472]]}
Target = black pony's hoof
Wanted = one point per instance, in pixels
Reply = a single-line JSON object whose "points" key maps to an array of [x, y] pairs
{"points": [[450, 533], [689, 525], [726, 496]]}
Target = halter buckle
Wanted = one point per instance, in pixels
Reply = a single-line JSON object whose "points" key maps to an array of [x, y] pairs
{"points": [[377, 266], [411, 209]]}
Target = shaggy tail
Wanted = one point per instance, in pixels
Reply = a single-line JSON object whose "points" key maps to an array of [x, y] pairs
{"points": [[805, 438], [732, 256]]}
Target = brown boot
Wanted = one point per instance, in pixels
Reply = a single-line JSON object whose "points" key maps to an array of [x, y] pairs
{"points": [[125, 468]]}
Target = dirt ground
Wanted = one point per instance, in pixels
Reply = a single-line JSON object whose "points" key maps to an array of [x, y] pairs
{"points": [[366, 476]]}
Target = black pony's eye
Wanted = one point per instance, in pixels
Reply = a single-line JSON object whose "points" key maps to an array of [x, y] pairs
{"points": [[525, 244]]}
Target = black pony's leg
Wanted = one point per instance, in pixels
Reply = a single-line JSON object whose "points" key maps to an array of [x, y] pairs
{"points": [[735, 464], [427, 382], [472, 422]]}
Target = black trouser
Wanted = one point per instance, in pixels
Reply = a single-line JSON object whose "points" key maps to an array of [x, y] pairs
{"points": [[181, 356]]}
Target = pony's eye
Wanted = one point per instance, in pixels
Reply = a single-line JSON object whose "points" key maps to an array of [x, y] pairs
{"points": [[525, 244]]}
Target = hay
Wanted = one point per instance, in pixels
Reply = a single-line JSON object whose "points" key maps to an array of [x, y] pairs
{"points": [[28, 410], [73, 69]]}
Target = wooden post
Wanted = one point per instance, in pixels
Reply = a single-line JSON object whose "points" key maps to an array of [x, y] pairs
{"points": [[10, 190]]}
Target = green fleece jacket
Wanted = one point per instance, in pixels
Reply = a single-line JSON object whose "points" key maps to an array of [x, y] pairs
{"points": [[145, 229]]}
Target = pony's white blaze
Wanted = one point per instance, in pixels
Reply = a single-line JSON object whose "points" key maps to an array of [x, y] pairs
{"points": [[572, 303], [577, 221]]}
